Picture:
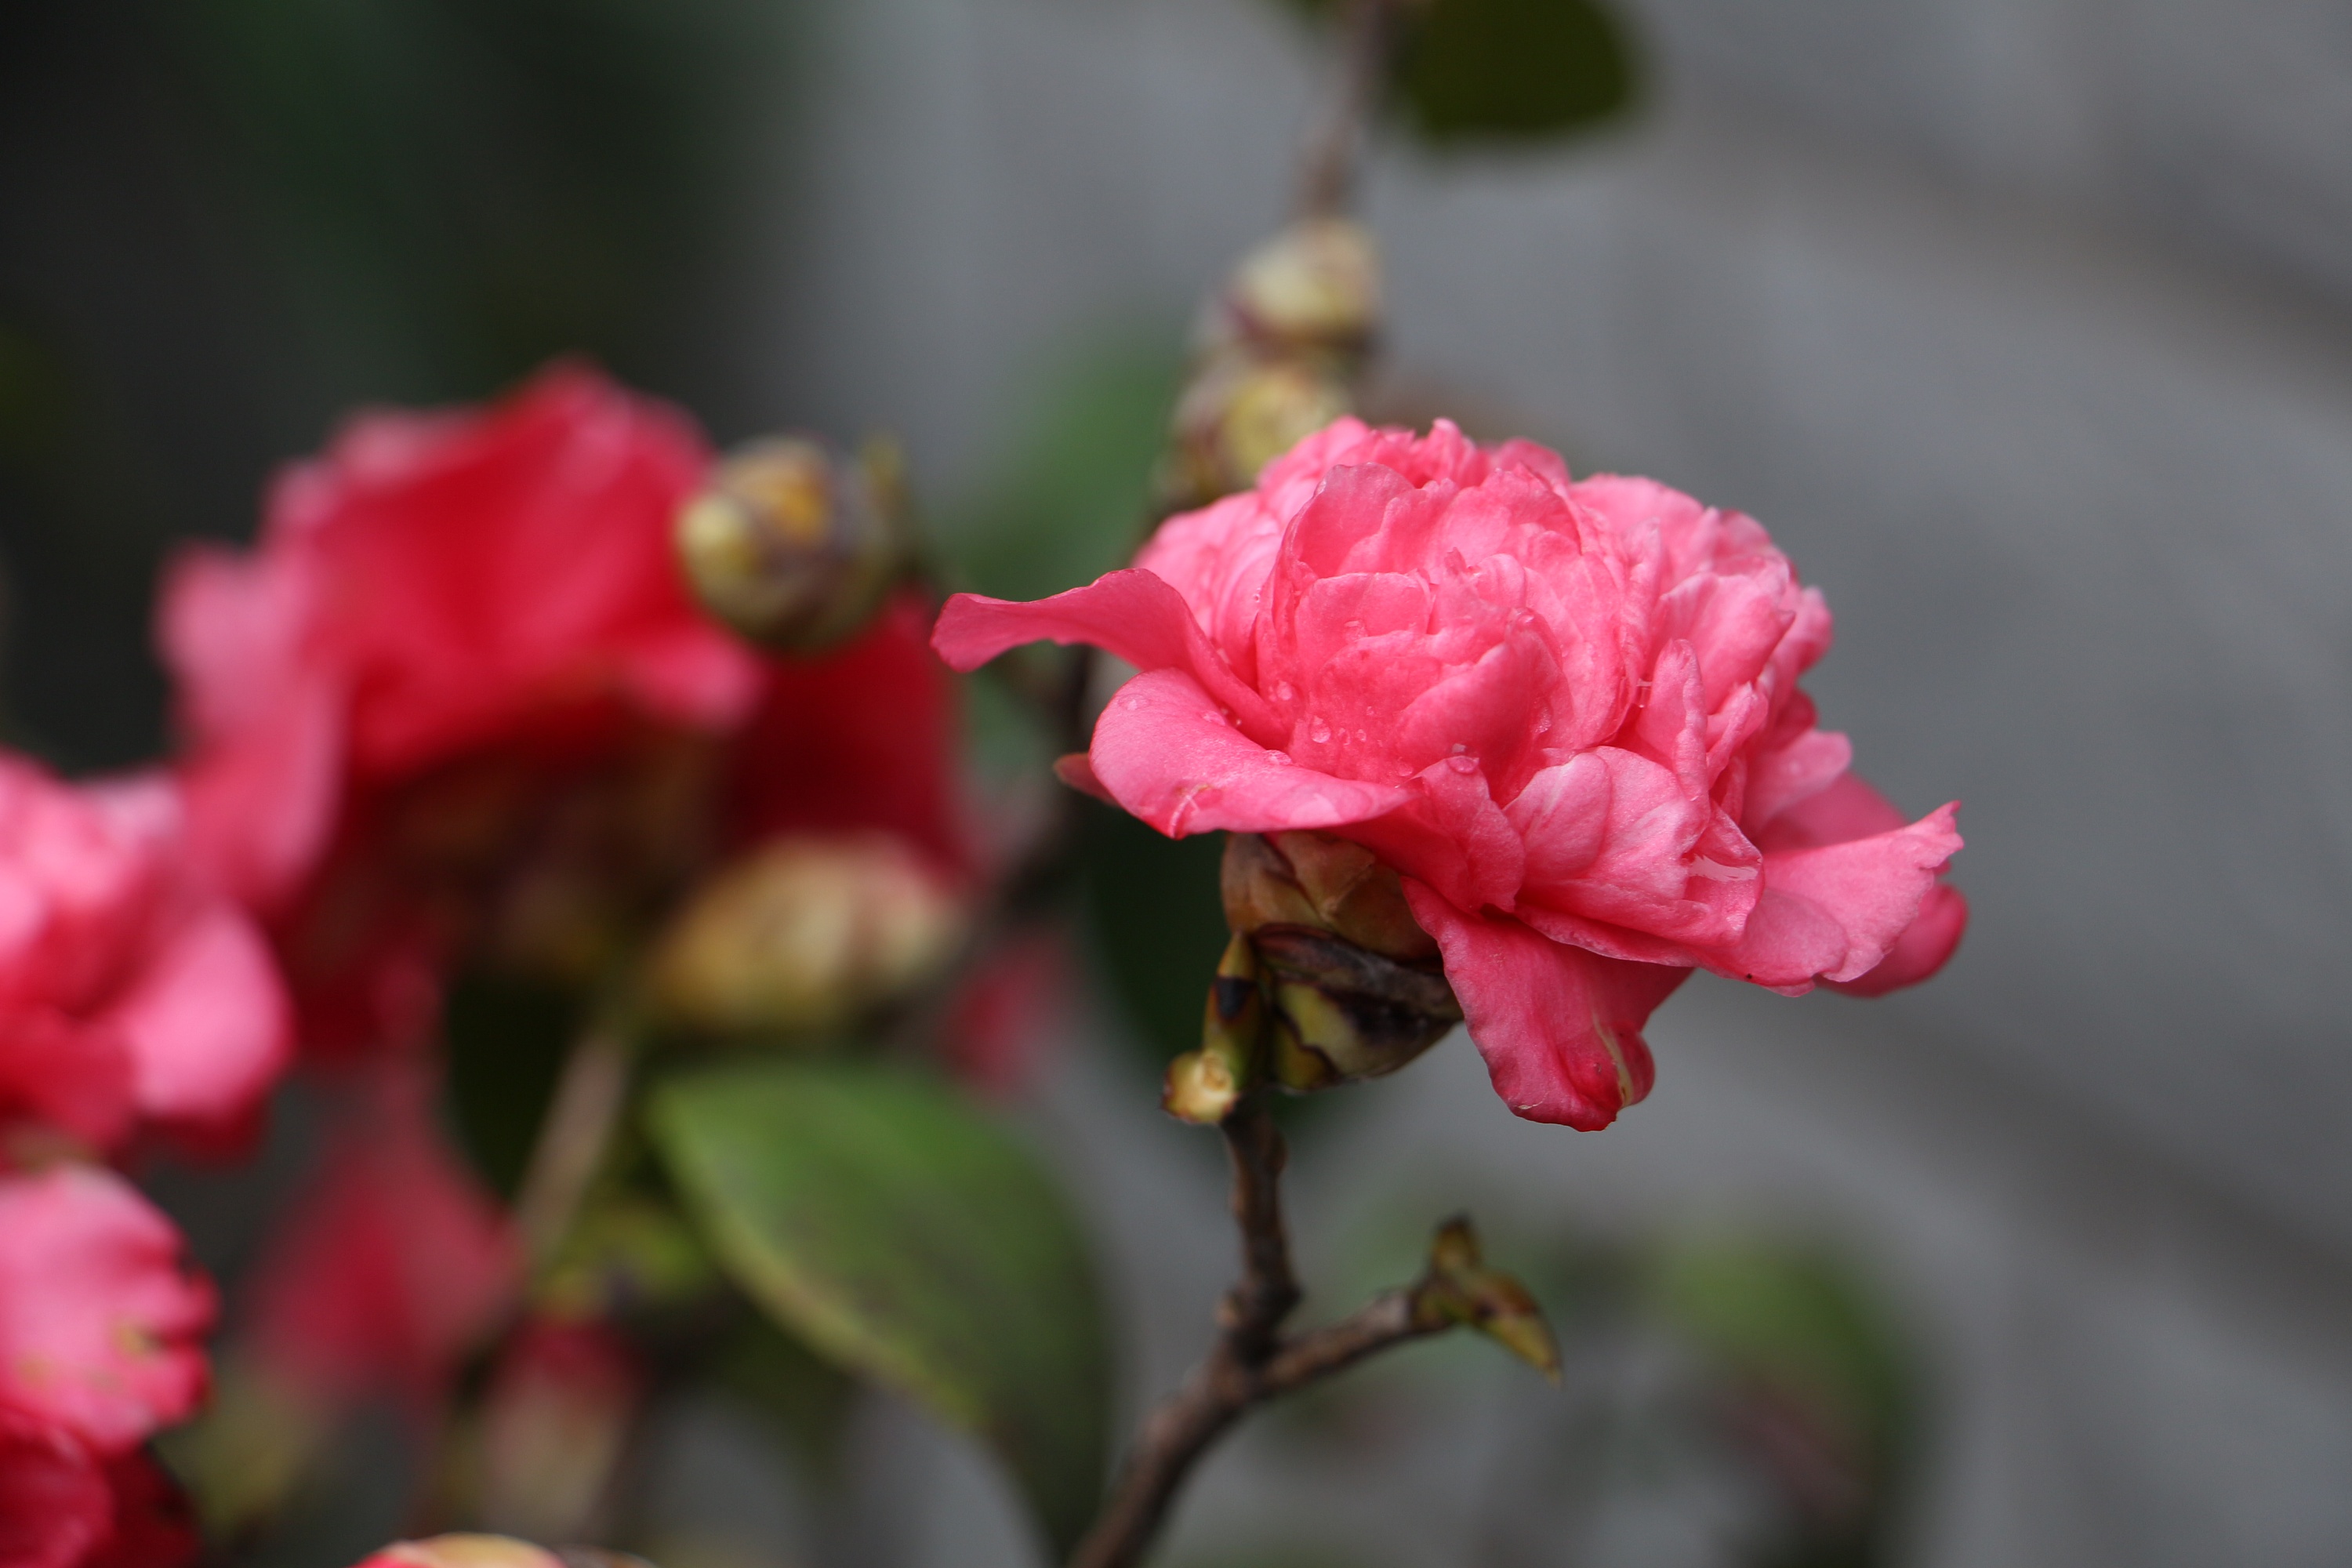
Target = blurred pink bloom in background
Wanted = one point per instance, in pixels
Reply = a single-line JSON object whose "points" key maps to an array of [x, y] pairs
{"points": [[130, 997]]}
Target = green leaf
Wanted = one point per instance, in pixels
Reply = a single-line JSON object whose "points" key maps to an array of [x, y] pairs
{"points": [[508, 1040], [900, 1233], [1515, 69], [1072, 500], [1159, 924], [1504, 70]]}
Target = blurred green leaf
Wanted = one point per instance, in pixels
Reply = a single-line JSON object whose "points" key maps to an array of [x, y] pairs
{"points": [[1788, 1315], [1820, 1385], [507, 1044], [808, 1397], [1512, 69], [904, 1236], [1070, 502], [1159, 923], [1505, 71]]}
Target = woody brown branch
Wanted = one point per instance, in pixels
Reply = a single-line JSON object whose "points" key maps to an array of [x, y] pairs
{"points": [[1251, 1361]]}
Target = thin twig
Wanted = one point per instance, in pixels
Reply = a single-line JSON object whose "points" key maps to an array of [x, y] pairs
{"points": [[573, 1137], [1252, 1360], [1328, 167]]}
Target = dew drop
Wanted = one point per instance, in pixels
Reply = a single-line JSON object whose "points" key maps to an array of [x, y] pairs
{"points": [[1284, 691], [1318, 731], [1279, 759], [1462, 764]]}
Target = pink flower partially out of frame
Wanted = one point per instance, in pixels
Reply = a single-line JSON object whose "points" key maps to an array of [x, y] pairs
{"points": [[132, 997], [1566, 711]]}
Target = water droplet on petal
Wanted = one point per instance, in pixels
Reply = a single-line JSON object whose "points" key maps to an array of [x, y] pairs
{"points": [[1462, 764], [1279, 759], [1284, 691], [1318, 731]]}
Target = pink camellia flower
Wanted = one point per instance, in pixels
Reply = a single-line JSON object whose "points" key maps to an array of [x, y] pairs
{"points": [[129, 993], [101, 1324], [1566, 712]]}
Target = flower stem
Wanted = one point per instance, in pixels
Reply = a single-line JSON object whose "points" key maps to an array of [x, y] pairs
{"points": [[1251, 1361], [581, 1118], [1327, 170]]}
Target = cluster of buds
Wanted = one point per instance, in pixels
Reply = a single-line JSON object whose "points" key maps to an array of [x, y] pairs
{"points": [[1278, 354], [1328, 979], [794, 545]]}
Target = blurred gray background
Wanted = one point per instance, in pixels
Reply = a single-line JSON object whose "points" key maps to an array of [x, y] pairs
{"points": [[2027, 328]]}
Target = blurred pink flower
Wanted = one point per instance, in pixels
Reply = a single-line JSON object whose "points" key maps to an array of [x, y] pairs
{"points": [[475, 604], [62, 1506], [1006, 1011], [1566, 712], [130, 997], [862, 737], [394, 1265], [459, 627], [434, 582], [100, 1322]]}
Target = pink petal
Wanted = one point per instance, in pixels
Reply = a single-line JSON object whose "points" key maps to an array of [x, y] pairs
{"points": [[1842, 810], [1451, 835], [99, 1328], [1834, 913], [1166, 753], [1129, 613], [1797, 771], [262, 802], [55, 1504], [207, 1025], [1077, 770], [63, 1071], [392, 1266], [1922, 949], [1559, 1028]]}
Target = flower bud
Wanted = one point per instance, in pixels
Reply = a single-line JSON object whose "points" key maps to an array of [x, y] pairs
{"points": [[553, 1424], [1304, 879], [1316, 285], [1340, 1013], [1277, 356], [793, 546], [806, 934], [1353, 985], [1460, 1289], [1240, 410], [1204, 1086], [463, 1552]]}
